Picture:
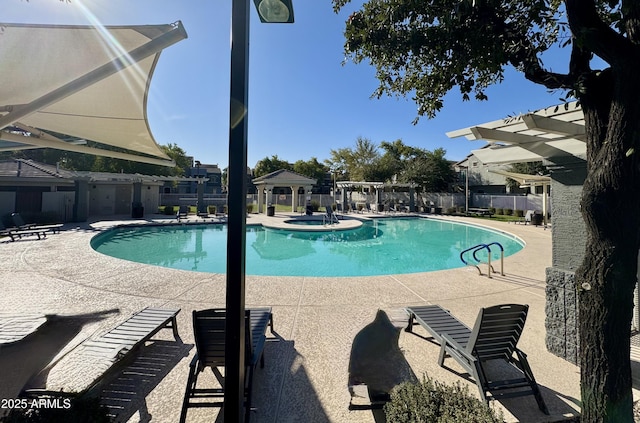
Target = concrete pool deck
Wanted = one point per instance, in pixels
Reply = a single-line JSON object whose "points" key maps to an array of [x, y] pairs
{"points": [[85, 293]]}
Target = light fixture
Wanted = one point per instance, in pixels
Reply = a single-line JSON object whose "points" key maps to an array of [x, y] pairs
{"points": [[275, 11]]}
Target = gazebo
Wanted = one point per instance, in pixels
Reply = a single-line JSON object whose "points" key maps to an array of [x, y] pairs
{"points": [[281, 178]]}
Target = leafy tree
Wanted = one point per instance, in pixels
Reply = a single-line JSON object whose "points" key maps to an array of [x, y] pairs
{"points": [[268, 165], [430, 170], [359, 164], [311, 168], [426, 48]]}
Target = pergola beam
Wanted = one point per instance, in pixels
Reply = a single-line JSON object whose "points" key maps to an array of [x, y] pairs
{"points": [[554, 126]]}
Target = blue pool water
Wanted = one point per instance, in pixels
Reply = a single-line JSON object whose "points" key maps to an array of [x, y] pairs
{"points": [[379, 247]]}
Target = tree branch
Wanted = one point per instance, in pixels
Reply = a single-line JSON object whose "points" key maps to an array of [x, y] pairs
{"points": [[594, 35]]}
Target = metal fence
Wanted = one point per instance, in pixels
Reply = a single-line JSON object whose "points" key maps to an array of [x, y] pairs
{"points": [[442, 200]]}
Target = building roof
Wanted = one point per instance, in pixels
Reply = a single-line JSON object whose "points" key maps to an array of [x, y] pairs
{"points": [[21, 170], [100, 95], [283, 177]]}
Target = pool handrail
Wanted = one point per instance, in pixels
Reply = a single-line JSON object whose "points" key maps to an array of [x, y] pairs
{"points": [[479, 247]]}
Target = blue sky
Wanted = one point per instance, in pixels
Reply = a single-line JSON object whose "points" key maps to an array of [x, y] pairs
{"points": [[303, 101]]}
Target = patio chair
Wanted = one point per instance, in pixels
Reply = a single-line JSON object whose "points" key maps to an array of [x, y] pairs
{"points": [[527, 217], [19, 222], [209, 334], [14, 233], [183, 211], [494, 337]]}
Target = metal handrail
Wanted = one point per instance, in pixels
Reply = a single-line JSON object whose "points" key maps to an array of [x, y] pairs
{"points": [[479, 247]]}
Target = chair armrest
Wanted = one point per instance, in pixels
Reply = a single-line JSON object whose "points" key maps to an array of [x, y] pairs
{"points": [[446, 339]]}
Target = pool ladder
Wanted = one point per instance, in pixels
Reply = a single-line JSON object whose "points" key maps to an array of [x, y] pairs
{"points": [[330, 219], [474, 250]]}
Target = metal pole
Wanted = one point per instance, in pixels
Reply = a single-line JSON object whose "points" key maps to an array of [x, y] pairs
{"points": [[237, 200], [466, 191]]}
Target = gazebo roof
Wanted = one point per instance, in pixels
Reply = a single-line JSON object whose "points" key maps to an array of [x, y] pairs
{"points": [[556, 133], [283, 177]]}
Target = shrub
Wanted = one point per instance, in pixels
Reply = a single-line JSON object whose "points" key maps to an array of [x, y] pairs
{"points": [[334, 207], [499, 211], [460, 209], [519, 213], [508, 212], [315, 206], [168, 210], [451, 210], [212, 209], [432, 401], [249, 208], [492, 210]]}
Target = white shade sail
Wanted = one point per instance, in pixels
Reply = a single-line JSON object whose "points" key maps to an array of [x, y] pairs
{"points": [[86, 82]]}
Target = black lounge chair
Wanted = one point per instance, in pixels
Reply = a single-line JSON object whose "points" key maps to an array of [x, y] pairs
{"points": [[209, 333], [494, 337], [19, 222], [16, 233], [183, 212]]}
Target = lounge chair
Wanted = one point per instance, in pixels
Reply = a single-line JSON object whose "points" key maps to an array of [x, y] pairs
{"points": [[108, 351], [183, 211], [19, 222], [209, 333], [527, 217], [16, 233], [494, 337]]}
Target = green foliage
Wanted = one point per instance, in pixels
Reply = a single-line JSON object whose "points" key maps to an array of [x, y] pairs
{"points": [[315, 206], [519, 213], [168, 210], [433, 401], [312, 169], [212, 209], [357, 164], [451, 210], [499, 211], [424, 49], [428, 169], [508, 212], [268, 165], [249, 208]]}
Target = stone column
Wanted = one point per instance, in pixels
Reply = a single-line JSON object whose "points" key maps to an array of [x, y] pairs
{"points": [[568, 245]]}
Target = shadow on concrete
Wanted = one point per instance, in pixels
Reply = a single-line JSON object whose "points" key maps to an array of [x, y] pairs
{"points": [[125, 393], [523, 408], [376, 366], [26, 363], [283, 391]]}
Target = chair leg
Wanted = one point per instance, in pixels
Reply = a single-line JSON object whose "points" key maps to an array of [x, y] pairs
{"points": [[528, 374], [249, 389], [191, 385], [477, 372], [443, 353], [409, 327]]}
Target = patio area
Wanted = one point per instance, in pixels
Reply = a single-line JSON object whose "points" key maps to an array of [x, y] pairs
{"points": [[85, 293]]}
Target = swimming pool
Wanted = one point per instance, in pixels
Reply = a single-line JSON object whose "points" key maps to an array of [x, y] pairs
{"points": [[378, 247]]}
